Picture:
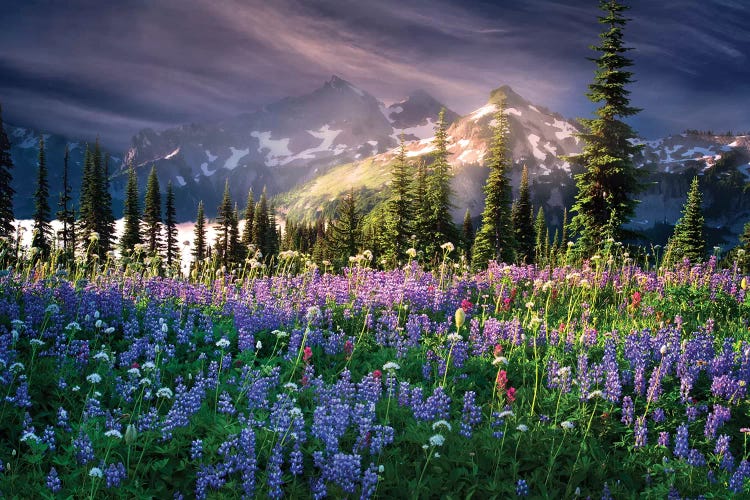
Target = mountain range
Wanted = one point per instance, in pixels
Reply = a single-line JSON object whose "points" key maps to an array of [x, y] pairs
{"points": [[306, 151]]}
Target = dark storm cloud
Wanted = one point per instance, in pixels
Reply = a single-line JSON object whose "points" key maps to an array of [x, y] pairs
{"points": [[84, 67]]}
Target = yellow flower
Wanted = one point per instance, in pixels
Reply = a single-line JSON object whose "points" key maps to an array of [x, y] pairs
{"points": [[460, 317], [743, 283]]}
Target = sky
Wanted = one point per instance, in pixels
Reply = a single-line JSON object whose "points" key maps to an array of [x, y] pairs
{"points": [[110, 68]]}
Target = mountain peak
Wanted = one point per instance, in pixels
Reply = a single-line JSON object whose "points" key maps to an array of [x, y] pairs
{"points": [[505, 91]]}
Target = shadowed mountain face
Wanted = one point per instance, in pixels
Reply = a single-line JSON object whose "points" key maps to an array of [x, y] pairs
{"points": [[311, 149]]}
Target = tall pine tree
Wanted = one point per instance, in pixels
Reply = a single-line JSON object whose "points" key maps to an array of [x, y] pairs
{"points": [[152, 214], [440, 226], [467, 235], [224, 218], [107, 218], [494, 240], [66, 213], [523, 223], [172, 252], [606, 187], [6, 177], [199, 243], [131, 235], [346, 230], [42, 214], [689, 237], [399, 224], [541, 233], [260, 226], [247, 231]]}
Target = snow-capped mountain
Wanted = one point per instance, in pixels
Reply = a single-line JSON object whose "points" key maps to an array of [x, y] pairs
{"points": [[541, 139], [281, 145]]}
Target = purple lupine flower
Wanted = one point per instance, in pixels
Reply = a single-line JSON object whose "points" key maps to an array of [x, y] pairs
{"points": [[681, 446], [695, 458], [658, 415], [606, 494], [249, 462], [84, 449], [53, 481], [296, 466], [522, 488], [114, 475], [664, 439], [612, 387], [196, 449], [737, 481], [641, 432], [627, 410], [343, 470], [716, 419], [273, 470], [369, 482], [471, 414], [225, 404]]}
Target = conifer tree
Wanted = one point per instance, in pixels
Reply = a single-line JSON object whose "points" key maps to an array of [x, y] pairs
{"points": [[564, 236], [152, 214], [131, 235], [523, 223], [440, 226], [107, 219], [224, 218], [65, 213], [6, 177], [87, 202], [199, 243], [236, 255], [399, 224], [170, 228], [606, 187], [42, 214], [421, 204], [346, 230], [495, 239], [689, 240], [272, 239], [260, 225], [247, 231], [467, 235], [541, 233]]}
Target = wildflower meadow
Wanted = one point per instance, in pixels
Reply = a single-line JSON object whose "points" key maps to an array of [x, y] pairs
{"points": [[605, 380]]}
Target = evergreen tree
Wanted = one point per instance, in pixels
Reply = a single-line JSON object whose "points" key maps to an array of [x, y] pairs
{"points": [[260, 225], [399, 224], [42, 214], [604, 201], [152, 214], [689, 240], [346, 230], [541, 233], [564, 236], [247, 231], [66, 214], [224, 218], [107, 219], [87, 203], [236, 254], [170, 227], [467, 235], [440, 226], [422, 207], [131, 235], [199, 243], [495, 239], [523, 222], [6, 190]]}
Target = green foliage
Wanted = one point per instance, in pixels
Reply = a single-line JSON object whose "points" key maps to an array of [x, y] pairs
{"points": [[345, 239], [131, 235], [170, 228], [152, 221], [467, 235], [199, 243], [6, 190], [247, 231], [541, 237], [66, 212], [439, 226], [604, 202], [42, 226], [522, 220], [261, 228], [495, 239], [688, 240], [399, 223]]}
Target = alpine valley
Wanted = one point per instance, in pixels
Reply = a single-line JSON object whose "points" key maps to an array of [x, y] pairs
{"points": [[308, 151]]}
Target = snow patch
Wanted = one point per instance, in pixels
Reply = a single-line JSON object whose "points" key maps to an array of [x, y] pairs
{"points": [[234, 159], [565, 130], [172, 154], [534, 141], [423, 150], [419, 131], [276, 148], [483, 111], [206, 172], [210, 157], [512, 111], [359, 92], [549, 147], [463, 143], [181, 180], [533, 108]]}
